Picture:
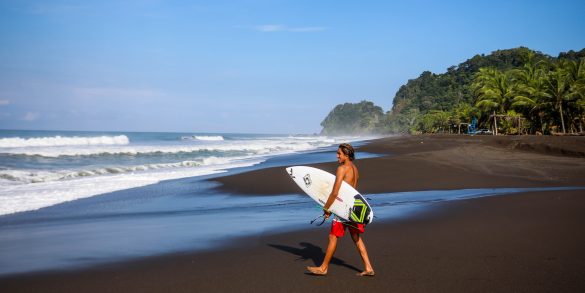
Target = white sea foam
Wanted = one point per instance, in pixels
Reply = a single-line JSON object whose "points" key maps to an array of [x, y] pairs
{"points": [[11, 177], [203, 137], [27, 197], [252, 147], [26, 188], [208, 138], [35, 176], [17, 142]]}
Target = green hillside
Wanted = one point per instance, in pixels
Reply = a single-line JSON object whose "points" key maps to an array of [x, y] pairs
{"points": [[526, 91]]}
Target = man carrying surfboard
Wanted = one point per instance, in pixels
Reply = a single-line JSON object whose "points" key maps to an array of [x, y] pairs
{"points": [[348, 172]]}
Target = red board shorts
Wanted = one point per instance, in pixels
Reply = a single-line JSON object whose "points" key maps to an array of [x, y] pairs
{"points": [[338, 228]]}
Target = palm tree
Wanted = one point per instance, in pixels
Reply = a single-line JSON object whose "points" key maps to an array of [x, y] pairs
{"points": [[513, 122], [461, 114], [529, 96], [576, 72], [494, 92], [557, 89], [441, 119], [579, 91], [536, 105]]}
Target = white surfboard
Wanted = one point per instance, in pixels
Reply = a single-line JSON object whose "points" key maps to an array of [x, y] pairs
{"points": [[349, 205]]}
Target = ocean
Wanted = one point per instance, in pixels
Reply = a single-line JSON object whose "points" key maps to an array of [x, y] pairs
{"points": [[44, 168]]}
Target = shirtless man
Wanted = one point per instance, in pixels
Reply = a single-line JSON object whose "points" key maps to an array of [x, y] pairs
{"points": [[347, 172]]}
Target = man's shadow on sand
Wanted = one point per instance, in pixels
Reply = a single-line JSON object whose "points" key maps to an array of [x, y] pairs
{"points": [[312, 252]]}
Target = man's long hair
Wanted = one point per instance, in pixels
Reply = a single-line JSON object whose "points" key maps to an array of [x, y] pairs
{"points": [[347, 149]]}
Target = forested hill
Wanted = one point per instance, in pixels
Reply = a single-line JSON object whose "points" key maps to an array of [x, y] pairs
{"points": [[439, 102], [444, 91], [353, 119]]}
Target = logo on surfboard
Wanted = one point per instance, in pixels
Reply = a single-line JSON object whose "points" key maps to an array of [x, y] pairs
{"points": [[307, 180], [360, 211]]}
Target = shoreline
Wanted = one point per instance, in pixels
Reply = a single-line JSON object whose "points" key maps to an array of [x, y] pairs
{"points": [[437, 162], [525, 242]]}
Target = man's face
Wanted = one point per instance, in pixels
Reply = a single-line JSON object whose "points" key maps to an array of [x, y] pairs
{"points": [[341, 157]]}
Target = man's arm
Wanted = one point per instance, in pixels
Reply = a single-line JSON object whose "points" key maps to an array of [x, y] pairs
{"points": [[339, 175]]}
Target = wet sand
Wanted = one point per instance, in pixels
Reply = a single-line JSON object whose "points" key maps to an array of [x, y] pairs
{"points": [[415, 163], [529, 242]]}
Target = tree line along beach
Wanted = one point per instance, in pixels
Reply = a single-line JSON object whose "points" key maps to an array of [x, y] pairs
{"points": [[512, 91]]}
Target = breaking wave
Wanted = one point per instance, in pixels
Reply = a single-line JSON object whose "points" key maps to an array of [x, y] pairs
{"points": [[58, 141], [38, 176], [204, 137], [252, 148]]}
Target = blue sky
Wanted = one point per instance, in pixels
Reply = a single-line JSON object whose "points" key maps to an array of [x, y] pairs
{"points": [[244, 66]]}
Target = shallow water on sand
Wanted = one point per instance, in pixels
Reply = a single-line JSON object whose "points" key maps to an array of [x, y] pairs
{"points": [[148, 221]]}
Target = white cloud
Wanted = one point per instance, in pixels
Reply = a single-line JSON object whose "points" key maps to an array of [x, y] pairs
{"points": [[268, 28], [4, 102], [272, 28], [31, 116]]}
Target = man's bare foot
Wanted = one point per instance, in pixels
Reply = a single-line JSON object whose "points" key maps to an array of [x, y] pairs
{"points": [[317, 271], [366, 274]]}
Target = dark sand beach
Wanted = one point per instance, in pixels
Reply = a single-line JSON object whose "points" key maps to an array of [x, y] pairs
{"points": [[525, 242]]}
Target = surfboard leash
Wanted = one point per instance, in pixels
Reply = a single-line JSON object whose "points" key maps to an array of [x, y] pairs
{"points": [[349, 224], [321, 216]]}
